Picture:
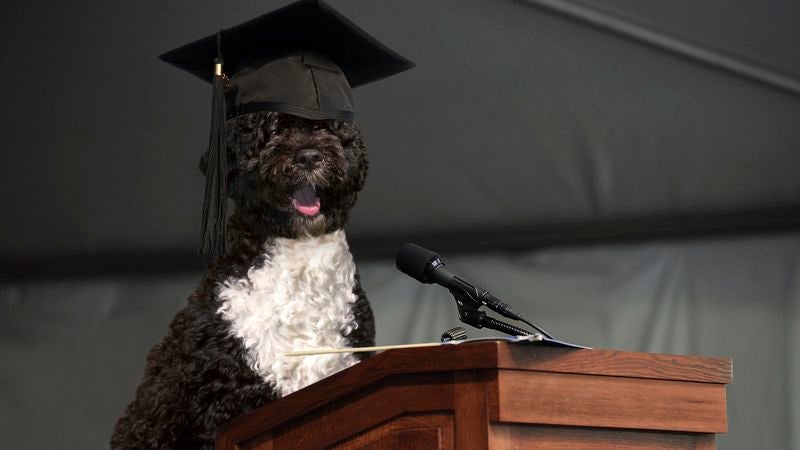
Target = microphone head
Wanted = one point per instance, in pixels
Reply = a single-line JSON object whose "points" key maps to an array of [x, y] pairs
{"points": [[415, 261]]}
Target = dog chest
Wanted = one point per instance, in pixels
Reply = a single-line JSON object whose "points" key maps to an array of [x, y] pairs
{"points": [[302, 297]]}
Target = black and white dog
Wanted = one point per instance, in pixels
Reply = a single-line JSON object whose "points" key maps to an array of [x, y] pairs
{"points": [[288, 283]]}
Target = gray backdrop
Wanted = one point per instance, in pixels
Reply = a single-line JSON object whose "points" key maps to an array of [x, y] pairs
{"points": [[514, 118], [519, 132], [73, 351]]}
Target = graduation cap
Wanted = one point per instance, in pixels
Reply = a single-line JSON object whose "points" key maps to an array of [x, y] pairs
{"points": [[302, 59]]}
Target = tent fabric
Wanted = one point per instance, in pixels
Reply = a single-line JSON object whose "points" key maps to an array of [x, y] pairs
{"points": [[514, 117], [73, 351], [736, 29]]}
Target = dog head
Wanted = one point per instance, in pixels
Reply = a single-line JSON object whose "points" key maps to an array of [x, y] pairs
{"points": [[294, 177]]}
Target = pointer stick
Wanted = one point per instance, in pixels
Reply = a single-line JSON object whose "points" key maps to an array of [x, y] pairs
{"points": [[325, 351]]}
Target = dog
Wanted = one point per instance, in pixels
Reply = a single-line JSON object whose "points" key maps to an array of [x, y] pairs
{"points": [[289, 282]]}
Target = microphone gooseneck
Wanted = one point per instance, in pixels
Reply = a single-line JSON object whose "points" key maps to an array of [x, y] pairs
{"points": [[491, 322]]}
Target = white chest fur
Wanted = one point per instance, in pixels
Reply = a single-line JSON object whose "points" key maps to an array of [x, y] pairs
{"points": [[301, 298]]}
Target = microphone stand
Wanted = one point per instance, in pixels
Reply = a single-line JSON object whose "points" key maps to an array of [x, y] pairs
{"points": [[469, 313]]}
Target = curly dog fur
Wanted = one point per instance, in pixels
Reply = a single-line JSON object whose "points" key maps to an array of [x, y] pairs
{"points": [[201, 374]]}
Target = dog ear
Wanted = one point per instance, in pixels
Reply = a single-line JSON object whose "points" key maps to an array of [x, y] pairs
{"points": [[276, 121], [358, 162], [362, 167]]}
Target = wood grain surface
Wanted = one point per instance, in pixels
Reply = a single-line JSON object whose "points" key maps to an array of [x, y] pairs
{"points": [[418, 431], [342, 384], [616, 363], [373, 407], [522, 437], [609, 402], [471, 408]]}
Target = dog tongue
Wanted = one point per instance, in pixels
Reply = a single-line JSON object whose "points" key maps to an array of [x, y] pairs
{"points": [[305, 201]]}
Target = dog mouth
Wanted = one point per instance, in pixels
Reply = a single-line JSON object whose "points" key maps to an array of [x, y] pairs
{"points": [[305, 201]]}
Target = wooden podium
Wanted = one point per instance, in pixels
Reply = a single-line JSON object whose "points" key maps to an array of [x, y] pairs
{"points": [[497, 395]]}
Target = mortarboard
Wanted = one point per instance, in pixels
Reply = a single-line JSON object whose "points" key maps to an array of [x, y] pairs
{"points": [[302, 59]]}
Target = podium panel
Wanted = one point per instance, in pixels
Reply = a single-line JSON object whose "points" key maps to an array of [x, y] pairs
{"points": [[518, 437]]}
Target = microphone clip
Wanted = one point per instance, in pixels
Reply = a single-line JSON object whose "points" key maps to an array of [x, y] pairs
{"points": [[469, 312]]}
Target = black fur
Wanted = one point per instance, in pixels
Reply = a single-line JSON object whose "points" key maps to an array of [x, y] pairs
{"points": [[197, 379]]}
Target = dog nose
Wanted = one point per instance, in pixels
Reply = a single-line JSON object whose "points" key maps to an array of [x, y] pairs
{"points": [[308, 157]]}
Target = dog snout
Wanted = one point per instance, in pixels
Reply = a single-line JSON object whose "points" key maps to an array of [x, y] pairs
{"points": [[308, 158]]}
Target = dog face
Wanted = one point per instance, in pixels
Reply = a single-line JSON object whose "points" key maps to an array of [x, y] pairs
{"points": [[294, 177]]}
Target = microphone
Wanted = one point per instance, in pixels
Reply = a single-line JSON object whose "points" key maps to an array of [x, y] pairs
{"points": [[427, 267]]}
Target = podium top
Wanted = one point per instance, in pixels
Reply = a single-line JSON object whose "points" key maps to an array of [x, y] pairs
{"points": [[499, 355]]}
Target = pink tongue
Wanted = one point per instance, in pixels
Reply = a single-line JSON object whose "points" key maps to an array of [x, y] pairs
{"points": [[305, 201]]}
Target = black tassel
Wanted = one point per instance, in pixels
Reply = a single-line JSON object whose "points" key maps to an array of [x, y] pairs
{"points": [[213, 240]]}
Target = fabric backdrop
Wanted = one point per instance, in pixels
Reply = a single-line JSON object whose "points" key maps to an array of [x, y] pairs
{"points": [[514, 117], [72, 352]]}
